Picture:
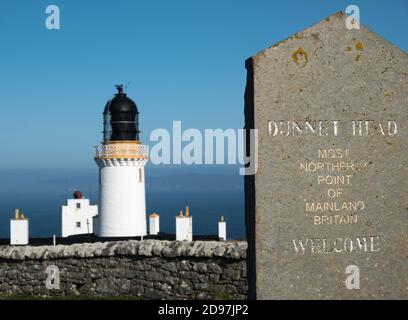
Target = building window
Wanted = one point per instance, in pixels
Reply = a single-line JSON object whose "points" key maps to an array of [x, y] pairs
{"points": [[140, 175], [78, 205], [78, 224]]}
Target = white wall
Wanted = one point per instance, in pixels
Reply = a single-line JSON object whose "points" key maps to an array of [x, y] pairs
{"points": [[122, 198], [184, 228], [71, 216], [18, 231]]}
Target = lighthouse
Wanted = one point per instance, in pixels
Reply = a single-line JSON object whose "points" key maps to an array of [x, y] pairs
{"points": [[121, 159]]}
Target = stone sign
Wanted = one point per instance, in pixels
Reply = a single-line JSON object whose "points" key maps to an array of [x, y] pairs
{"points": [[327, 209]]}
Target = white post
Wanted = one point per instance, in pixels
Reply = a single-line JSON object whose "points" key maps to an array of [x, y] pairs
{"points": [[184, 226], [222, 229], [154, 224], [54, 240]]}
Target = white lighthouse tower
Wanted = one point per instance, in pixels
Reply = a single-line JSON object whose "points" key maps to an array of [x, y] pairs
{"points": [[121, 159]]}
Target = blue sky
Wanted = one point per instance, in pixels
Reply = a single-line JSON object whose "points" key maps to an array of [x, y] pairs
{"points": [[184, 59]]}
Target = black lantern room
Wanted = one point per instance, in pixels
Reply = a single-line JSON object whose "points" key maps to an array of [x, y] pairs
{"points": [[121, 118]]}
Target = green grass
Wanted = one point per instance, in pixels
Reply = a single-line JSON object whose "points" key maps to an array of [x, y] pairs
{"points": [[222, 296], [33, 297]]}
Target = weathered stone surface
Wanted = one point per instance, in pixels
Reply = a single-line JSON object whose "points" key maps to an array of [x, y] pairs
{"points": [[308, 225], [208, 249], [147, 269]]}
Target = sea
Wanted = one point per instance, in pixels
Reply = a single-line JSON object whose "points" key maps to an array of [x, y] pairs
{"points": [[209, 191]]}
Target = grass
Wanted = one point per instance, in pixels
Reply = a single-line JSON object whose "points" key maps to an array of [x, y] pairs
{"points": [[222, 296], [33, 297]]}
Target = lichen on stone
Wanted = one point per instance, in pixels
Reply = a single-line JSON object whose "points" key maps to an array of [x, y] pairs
{"points": [[298, 35], [359, 46], [300, 54]]}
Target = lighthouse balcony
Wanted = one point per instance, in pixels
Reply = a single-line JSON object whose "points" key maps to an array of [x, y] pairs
{"points": [[124, 150]]}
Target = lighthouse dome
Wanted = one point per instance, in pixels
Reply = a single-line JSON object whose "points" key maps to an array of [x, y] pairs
{"points": [[121, 118], [121, 103]]}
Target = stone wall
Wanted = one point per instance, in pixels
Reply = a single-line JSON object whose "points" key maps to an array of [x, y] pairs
{"points": [[150, 269]]}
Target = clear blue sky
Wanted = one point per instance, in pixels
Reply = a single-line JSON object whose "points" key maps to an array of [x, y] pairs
{"points": [[184, 58]]}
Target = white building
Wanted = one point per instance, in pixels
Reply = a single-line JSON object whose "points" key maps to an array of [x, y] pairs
{"points": [[121, 159], [184, 226], [77, 216], [19, 229]]}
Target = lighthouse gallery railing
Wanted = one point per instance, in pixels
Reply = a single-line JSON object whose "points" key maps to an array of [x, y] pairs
{"points": [[121, 150]]}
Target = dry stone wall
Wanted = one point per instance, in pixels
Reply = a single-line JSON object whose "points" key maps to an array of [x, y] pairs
{"points": [[149, 269]]}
